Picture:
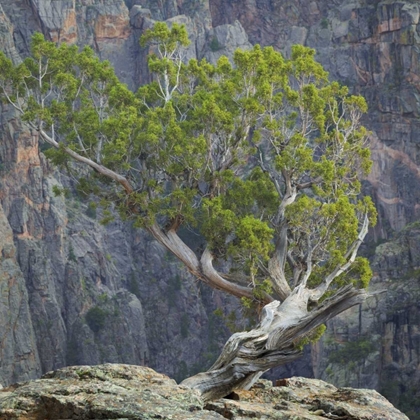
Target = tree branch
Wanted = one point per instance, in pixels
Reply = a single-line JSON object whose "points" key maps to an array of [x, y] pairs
{"points": [[101, 169], [318, 292], [276, 266], [215, 280]]}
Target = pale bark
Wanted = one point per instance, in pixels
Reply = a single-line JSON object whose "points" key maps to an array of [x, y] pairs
{"points": [[284, 322], [247, 355], [276, 266], [274, 342], [202, 269], [350, 258], [119, 179]]}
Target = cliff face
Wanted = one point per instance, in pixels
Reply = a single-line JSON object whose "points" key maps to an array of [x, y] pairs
{"points": [[75, 292], [378, 346], [371, 46], [72, 291]]}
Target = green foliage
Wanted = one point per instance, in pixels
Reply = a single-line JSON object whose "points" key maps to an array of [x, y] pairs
{"points": [[133, 286], [240, 152], [174, 286], [233, 322], [352, 351], [108, 217], [361, 272], [57, 191], [405, 398], [96, 318], [246, 302], [43, 147], [91, 210], [165, 38], [218, 312], [72, 256], [262, 288], [313, 337], [185, 325], [182, 371], [215, 44], [324, 23]]}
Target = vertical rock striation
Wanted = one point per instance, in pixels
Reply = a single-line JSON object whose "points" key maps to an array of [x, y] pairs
{"points": [[18, 351], [371, 46], [75, 292]]}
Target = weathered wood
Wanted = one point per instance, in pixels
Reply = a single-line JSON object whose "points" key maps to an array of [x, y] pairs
{"points": [[274, 342]]}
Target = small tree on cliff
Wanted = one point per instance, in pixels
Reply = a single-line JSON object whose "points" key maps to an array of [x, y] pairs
{"points": [[262, 158]]}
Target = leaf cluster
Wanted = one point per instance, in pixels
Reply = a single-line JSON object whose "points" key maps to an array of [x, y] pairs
{"points": [[241, 152]]}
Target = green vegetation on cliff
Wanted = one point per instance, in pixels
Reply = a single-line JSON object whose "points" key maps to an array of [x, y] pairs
{"points": [[262, 158]]}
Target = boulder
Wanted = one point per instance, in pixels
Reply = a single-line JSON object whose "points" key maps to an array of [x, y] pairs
{"points": [[116, 391]]}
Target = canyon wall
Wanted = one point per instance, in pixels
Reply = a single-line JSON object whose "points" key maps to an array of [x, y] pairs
{"points": [[73, 291]]}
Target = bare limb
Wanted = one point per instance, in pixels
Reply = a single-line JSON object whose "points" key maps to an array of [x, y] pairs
{"points": [[99, 168], [214, 279], [350, 256]]}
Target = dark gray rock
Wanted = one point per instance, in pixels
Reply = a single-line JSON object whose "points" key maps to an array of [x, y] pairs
{"points": [[18, 351]]}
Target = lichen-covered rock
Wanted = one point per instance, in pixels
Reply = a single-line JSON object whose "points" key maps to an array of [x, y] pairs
{"points": [[134, 392], [72, 290], [306, 399], [106, 392]]}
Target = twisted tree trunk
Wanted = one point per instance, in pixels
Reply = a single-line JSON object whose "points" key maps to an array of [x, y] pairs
{"points": [[276, 341]]}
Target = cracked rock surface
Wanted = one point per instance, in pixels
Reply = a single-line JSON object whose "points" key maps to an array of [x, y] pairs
{"points": [[116, 391]]}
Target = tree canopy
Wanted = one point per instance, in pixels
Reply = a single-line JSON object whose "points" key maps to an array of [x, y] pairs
{"points": [[261, 156]]}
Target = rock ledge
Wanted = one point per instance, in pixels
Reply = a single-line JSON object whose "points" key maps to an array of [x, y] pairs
{"points": [[116, 391]]}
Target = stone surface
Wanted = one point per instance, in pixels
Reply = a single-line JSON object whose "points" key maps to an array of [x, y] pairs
{"points": [[18, 351], [133, 392], [373, 47], [225, 39], [306, 399], [93, 294], [104, 391]]}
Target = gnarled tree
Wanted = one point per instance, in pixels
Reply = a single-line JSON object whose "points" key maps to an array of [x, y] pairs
{"points": [[261, 157]]}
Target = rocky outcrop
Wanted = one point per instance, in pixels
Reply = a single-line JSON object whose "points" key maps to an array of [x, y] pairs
{"points": [[133, 392], [92, 293], [371, 46], [74, 291]]}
